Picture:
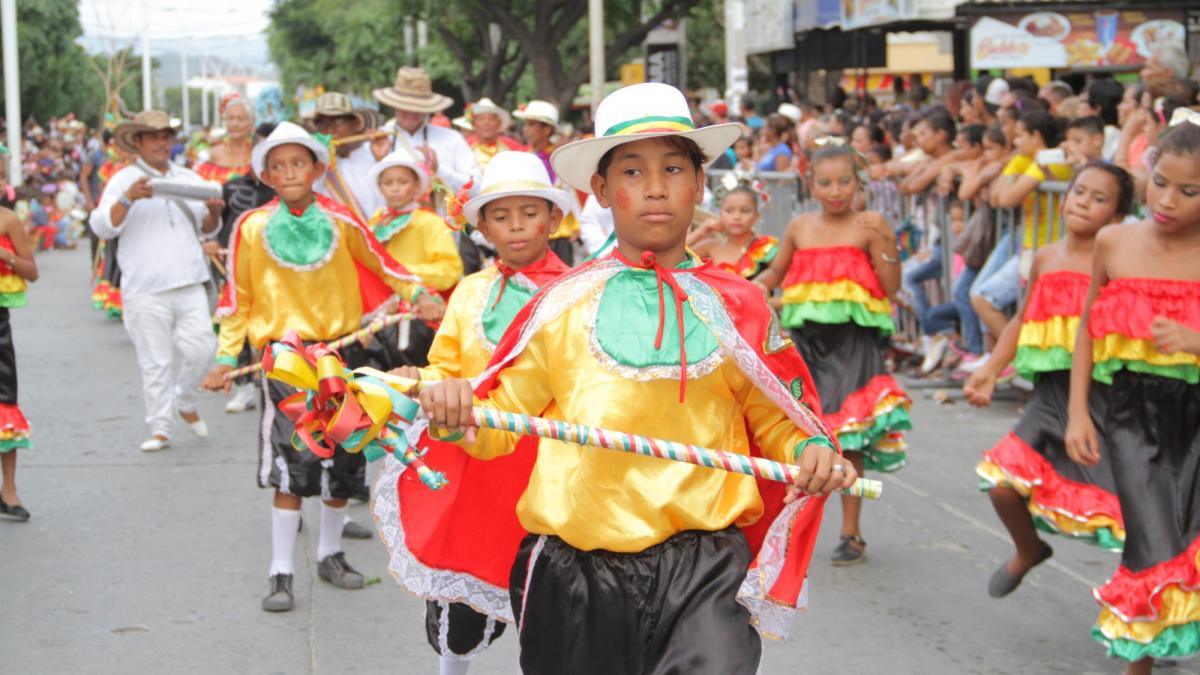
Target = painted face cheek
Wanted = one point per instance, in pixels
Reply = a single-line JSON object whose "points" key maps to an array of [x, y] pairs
{"points": [[540, 229], [623, 199]]}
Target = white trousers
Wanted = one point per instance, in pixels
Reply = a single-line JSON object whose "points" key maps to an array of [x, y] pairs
{"points": [[172, 334]]}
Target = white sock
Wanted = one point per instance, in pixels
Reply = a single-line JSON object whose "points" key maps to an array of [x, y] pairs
{"points": [[332, 522], [451, 666], [284, 527]]}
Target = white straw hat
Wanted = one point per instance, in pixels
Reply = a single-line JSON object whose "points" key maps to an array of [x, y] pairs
{"points": [[512, 173], [635, 113], [401, 157], [539, 111], [285, 133], [790, 111]]}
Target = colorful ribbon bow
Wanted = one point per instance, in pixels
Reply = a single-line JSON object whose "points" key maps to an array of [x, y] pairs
{"points": [[455, 218], [336, 406]]}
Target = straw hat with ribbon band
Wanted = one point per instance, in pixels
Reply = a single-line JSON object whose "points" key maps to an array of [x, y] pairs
{"points": [[402, 157], [539, 111], [148, 120], [413, 91], [635, 113], [515, 173], [336, 104], [284, 134]]}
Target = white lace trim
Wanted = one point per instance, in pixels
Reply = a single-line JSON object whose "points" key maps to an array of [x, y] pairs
{"points": [[489, 629], [773, 619], [417, 578]]}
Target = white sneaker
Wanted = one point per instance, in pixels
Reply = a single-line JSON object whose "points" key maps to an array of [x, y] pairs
{"points": [[155, 444], [243, 399], [975, 364], [935, 350], [1022, 383], [199, 428]]}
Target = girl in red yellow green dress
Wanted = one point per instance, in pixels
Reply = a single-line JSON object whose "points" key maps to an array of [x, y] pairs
{"points": [[17, 266], [838, 267], [1141, 350], [730, 240], [1032, 482]]}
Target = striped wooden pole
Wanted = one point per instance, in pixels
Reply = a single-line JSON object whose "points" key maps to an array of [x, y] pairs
{"points": [[370, 329]]}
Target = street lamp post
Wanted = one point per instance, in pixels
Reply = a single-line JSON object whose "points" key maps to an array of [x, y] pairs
{"points": [[12, 89], [596, 50]]}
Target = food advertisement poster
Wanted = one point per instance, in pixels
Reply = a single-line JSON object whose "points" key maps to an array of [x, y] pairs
{"points": [[1096, 38]]}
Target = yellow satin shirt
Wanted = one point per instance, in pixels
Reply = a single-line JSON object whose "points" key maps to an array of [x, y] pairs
{"points": [[595, 498], [426, 248], [267, 298], [460, 348]]}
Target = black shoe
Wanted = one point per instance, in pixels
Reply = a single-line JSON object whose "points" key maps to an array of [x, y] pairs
{"points": [[353, 530], [280, 599], [847, 553], [17, 513], [338, 572], [1004, 582]]}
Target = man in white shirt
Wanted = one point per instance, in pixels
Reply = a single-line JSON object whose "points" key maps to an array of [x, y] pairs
{"points": [[347, 180], [163, 272], [446, 151]]}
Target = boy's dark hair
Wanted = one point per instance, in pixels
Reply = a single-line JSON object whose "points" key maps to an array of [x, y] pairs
{"points": [[263, 130], [1181, 139], [1125, 187], [1026, 86], [938, 120], [1091, 124], [881, 151], [312, 155], [973, 133], [1105, 95], [742, 190], [995, 134], [680, 144], [1041, 123], [549, 205], [874, 133], [834, 151]]}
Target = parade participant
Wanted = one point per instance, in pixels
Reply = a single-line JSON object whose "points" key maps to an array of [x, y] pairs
{"points": [[230, 158], [838, 268], [516, 209], [485, 123], [1142, 348], [666, 345], [292, 267], [1031, 481], [418, 239], [17, 267], [163, 273], [106, 272], [446, 151], [730, 240], [539, 124], [348, 177]]}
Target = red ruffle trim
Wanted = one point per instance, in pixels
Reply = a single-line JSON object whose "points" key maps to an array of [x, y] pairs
{"points": [[862, 404], [1054, 493], [1129, 306], [12, 419], [1138, 595], [833, 263], [1059, 293]]}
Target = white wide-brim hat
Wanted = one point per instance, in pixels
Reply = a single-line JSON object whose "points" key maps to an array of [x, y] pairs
{"points": [[790, 111], [285, 133], [486, 105], [635, 113], [401, 157], [510, 174], [539, 111]]}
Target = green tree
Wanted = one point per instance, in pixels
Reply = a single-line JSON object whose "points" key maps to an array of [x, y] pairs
{"points": [[53, 74]]}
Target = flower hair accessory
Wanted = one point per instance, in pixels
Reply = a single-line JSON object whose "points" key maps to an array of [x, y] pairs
{"points": [[830, 140], [1182, 115], [455, 218], [739, 178]]}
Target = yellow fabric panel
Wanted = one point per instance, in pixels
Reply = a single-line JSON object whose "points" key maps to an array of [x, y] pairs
{"points": [[567, 229], [426, 248], [842, 289], [11, 283], [1178, 607], [458, 349], [1057, 331], [1115, 346]]}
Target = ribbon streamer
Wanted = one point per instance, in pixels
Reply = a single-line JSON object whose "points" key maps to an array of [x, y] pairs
{"points": [[336, 407], [370, 329]]}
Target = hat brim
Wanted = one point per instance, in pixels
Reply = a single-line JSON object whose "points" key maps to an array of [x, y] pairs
{"points": [[505, 117], [380, 167], [124, 134], [576, 162], [392, 97], [535, 118], [258, 157], [558, 197]]}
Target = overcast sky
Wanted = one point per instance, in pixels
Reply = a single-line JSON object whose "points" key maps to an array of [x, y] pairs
{"points": [[232, 29]]}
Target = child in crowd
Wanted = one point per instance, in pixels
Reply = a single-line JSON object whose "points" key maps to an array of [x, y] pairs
{"points": [[650, 340], [1032, 482], [516, 209], [838, 269], [1083, 141], [730, 240], [1141, 349]]}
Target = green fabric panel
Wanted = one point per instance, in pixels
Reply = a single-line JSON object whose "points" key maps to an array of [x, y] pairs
{"points": [[1033, 360], [1102, 537], [1103, 371], [803, 445], [884, 462], [497, 320], [896, 419], [388, 230], [1174, 642], [13, 300], [838, 311], [627, 323], [299, 240], [226, 360], [15, 444]]}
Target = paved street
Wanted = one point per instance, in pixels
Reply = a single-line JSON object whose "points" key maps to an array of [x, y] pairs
{"points": [[140, 563]]}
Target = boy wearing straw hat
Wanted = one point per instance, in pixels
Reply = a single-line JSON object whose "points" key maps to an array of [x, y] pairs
{"points": [[634, 564], [418, 239], [467, 602], [294, 265], [485, 124]]}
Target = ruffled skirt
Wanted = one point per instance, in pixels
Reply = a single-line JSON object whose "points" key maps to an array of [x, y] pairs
{"points": [[14, 428]]}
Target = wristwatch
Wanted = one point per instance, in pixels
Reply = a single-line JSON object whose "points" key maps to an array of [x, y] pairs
{"points": [[124, 200]]}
